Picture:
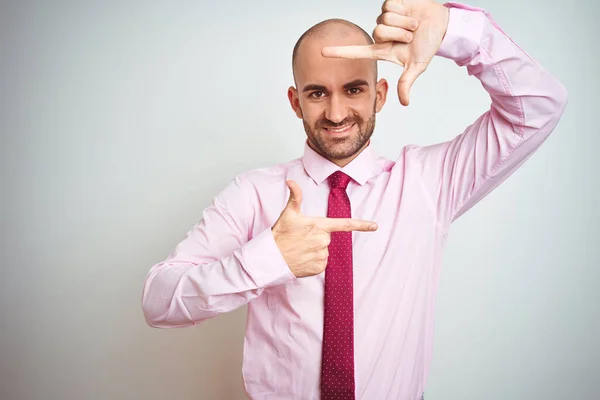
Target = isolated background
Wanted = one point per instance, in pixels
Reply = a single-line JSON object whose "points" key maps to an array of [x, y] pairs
{"points": [[120, 121]]}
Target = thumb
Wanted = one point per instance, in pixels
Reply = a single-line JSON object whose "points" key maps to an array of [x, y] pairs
{"points": [[407, 79], [295, 200]]}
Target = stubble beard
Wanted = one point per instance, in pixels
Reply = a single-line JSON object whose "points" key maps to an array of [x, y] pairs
{"points": [[334, 148]]}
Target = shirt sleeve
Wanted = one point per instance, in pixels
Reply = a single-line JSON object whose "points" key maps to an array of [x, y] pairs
{"points": [[217, 267], [526, 105]]}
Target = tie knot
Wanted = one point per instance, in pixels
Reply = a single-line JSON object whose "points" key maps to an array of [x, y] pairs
{"points": [[338, 180]]}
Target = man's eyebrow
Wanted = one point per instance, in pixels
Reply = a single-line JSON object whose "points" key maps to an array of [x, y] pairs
{"points": [[321, 88], [314, 87], [355, 83]]}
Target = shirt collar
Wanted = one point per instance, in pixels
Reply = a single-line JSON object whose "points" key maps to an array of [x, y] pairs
{"points": [[360, 169]]}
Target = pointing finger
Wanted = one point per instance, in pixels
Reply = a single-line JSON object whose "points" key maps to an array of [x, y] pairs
{"points": [[350, 52], [345, 225], [377, 51]]}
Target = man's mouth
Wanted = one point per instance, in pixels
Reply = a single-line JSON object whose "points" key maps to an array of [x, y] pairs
{"points": [[339, 129]]}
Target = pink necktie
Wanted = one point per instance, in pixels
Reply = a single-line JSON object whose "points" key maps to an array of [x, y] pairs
{"points": [[337, 368]]}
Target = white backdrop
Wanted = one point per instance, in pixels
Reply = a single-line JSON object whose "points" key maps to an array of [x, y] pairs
{"points": [[120, 121]]}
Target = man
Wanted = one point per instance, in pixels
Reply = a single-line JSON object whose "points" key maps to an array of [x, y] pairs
{"points": [[340, 272]]}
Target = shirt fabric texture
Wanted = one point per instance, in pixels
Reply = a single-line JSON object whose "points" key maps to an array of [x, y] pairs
{"points": [[230, 259]]}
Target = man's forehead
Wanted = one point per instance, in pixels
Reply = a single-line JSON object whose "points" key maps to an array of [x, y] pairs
{"points": [[332, 72], [311, 65]]}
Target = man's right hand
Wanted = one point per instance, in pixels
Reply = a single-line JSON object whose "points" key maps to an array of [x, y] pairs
{"points": [[304, 241]]}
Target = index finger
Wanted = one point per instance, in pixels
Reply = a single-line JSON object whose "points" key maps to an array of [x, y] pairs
{"points": [[351, 52], [345, 224]]}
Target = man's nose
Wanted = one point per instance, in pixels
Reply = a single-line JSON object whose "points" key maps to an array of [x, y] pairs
{"points": [[336, 110]]}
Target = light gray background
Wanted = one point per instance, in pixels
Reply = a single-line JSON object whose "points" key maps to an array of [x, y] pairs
{"points": [[120, 121]]}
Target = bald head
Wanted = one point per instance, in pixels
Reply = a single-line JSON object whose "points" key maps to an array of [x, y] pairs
{"points": [[332, 32]]}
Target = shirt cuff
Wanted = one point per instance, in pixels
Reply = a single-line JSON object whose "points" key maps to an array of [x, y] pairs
{"points": [[463, 35], [263, 261]]}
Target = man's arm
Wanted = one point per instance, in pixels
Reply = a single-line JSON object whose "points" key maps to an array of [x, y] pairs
{"points": [[219, 267], [527, 102], [526, 105], [216, 268]]}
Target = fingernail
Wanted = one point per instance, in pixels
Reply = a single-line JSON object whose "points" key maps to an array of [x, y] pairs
{"points": [[414, 24], [373, 227], [409, 37]]}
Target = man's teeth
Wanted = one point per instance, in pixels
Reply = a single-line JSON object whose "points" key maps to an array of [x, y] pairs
{"points": [[341, 129]]}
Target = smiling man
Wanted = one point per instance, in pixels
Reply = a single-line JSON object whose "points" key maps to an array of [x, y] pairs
{"points": [[337, 254], [336, 98]]}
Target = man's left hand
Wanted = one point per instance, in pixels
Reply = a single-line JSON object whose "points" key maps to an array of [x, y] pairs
{"points": [[414, 56]]}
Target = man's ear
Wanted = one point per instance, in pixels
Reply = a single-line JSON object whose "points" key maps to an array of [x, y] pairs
{"points": [[381, 90], [294, 101]]}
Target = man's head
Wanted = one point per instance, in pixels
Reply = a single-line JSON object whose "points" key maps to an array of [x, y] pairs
{"points": [[337, 99]]}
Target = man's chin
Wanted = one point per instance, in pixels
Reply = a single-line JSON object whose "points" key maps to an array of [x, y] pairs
{"points": [[336, 147], [339, 152]]}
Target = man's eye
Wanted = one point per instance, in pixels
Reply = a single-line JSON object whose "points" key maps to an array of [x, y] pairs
{"points": [[317, 95], [354, 91]]}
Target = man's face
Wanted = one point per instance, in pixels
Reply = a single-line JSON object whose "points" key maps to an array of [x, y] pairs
{"points": [[336, 99]]}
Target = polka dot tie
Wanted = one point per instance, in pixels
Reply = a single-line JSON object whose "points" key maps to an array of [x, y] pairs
{"points": [[337, 368]]}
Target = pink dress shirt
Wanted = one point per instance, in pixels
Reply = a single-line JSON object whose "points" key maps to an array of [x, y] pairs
{"points": [[230, 258]]}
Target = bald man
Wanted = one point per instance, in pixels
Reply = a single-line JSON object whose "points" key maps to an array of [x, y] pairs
{"points": [[338, 253]]}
